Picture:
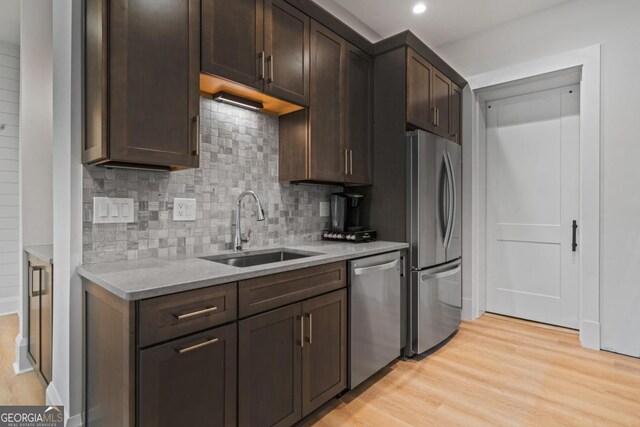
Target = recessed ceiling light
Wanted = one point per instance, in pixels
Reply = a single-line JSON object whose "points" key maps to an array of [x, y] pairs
{"points": [[419, 8]]}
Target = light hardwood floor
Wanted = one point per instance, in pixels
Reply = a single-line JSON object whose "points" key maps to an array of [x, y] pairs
{"points": [[498, 371], [24, 389]]}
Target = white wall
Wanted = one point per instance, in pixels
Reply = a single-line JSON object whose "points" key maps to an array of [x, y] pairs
{"points": [[9, 199], [66, 387], [36, 115], [577, 24]]}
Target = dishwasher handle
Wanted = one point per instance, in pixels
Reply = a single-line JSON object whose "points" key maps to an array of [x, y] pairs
{"points": [[375, 268]]}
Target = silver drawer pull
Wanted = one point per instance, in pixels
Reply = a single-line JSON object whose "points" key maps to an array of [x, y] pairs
{"points": [[197, 346], [196, 313], [375, 268]]}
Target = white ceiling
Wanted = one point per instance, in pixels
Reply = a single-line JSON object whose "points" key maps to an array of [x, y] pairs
{"points": [[10, 21], [444, 21]]}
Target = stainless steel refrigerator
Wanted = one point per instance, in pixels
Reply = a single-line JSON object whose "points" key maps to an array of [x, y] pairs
{"points": [[434, 222]]}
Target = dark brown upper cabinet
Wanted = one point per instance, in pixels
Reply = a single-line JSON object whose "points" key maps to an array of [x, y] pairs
{"points": [[262, 44], [286, 44], [433, 100], [331, 141], [419, 98], [328, 157], [359, 116], [233, 40], [142, 66], [456, 113], [441, 104]]}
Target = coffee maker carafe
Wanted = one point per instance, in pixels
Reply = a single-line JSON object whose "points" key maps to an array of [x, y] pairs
{"points": [[345, 212]]}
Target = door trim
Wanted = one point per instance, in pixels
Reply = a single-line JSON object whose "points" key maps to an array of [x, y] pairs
{"points": [[539, 74]]}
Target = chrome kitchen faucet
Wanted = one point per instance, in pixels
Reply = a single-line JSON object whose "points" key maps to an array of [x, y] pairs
{"points": [[239, 238]]}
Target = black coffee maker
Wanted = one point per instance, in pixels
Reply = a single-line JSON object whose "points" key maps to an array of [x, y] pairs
{"points": [[345, 212]]}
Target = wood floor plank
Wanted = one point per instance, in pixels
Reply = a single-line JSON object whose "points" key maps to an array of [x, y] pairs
{"points": [[498, 371], [23, 389]]}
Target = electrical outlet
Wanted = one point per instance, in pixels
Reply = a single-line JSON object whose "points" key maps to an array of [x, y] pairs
{"points": [[325, 209], [108, 210], [184, 209]]}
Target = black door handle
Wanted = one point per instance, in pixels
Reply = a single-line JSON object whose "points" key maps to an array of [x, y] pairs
{"points": [[574, 245]]}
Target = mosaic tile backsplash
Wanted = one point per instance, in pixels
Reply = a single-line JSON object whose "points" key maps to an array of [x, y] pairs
{"points": [[239, 151]]}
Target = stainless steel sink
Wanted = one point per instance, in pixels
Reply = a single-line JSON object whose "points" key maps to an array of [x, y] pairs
{"points": [[249, 259]]}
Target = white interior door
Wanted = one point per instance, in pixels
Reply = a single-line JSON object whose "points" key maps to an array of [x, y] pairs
{"points": [[533, 187]]}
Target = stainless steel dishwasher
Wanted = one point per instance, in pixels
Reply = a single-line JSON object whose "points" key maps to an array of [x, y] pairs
{"points": [[375, 315]]}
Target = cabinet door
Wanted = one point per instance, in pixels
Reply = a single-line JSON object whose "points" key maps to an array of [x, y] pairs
{"points": [[232, 35], [190, 381], [324, 354], [419, 104], [441, 91], [328, 154], [359, 115], [154, 68], [286, 38], [456, 113], [270, 368]]}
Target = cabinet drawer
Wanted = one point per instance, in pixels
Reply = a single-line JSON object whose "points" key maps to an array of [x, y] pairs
{"points": [[268, 292], [171, 316]]}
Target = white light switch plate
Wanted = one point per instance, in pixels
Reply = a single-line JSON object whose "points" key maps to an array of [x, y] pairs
{"points": [[108, 210], [184, 209], [325, 209]]}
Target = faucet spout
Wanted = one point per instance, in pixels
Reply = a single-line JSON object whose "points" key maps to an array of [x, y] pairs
{"points": [[238, 238]]}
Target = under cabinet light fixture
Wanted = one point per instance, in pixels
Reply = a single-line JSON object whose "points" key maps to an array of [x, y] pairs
{"points": [[227, 98], [419, 8]]}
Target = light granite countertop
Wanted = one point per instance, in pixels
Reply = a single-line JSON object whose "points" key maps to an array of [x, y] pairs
{"points": [[140, 279], [43, 252]]}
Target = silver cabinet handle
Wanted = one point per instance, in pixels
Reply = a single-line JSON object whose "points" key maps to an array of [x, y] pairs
{"points": [[351, 162], [270, 79], [196, 150], [196, 313], [346, 161], [375, 268], [301, 331], [261, 76], [197, 346], [433, 116], [39, 269], [310, 317]]}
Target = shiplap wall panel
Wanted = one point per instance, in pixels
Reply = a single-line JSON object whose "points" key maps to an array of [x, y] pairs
{"points": [[9, 158]]}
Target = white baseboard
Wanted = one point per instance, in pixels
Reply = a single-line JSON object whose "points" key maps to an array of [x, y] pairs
{"points": [[9, 305], [467, 309], [590, 334], [21, 364], [75, 421], [52, 395]]}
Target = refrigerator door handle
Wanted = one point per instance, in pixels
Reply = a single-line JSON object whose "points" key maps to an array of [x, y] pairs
{"points": [[450, 190], [439, 274], [453, 191], [444, 219]]}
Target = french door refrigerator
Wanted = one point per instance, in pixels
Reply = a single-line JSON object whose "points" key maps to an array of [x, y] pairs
{"points": [[434, 222]]}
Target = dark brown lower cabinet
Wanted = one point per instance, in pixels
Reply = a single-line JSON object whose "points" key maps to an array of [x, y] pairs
{"points": [[269, 368], [190, 381], [324, 355], [292, 360]]}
